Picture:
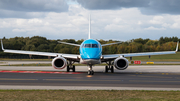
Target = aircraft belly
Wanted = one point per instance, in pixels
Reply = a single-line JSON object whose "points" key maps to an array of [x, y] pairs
{"points": [[90, 61]]}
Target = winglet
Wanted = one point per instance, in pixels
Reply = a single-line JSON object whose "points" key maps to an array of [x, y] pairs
{"points": [[177, 46], [89, 27], [2, 45]]}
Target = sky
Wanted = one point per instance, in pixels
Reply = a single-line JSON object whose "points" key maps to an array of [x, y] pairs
{"points": [[110, 19]]}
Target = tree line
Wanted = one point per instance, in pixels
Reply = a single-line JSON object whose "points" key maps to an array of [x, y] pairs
{"points": [[38, 43]]}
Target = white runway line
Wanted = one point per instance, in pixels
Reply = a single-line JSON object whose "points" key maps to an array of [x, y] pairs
{"points": [[139, 68], [21, 87]]}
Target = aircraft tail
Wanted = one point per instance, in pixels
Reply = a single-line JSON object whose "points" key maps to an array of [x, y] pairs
{"points": [[89, 27]]}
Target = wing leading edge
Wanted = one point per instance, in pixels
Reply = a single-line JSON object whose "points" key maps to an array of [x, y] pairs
{"points": [[113, 56], [68, 56]]}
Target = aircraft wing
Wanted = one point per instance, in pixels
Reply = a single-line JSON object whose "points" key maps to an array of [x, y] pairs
{"points": [[67, 56], [114, 56], [111, 44]]}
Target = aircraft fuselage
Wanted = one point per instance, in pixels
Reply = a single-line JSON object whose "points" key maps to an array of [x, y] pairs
{"points": [[90, 52]]}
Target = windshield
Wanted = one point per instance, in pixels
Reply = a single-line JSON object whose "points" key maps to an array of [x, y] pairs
{"points": [[90, 46]]}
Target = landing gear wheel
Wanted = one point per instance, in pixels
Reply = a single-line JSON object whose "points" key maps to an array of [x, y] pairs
{"points": [[106, 69], [73, 68], [112, 69], [90, 72], [67, 68]]}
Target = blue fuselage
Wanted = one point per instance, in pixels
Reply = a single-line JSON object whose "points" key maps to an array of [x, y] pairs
{"points": [[90, 52]]}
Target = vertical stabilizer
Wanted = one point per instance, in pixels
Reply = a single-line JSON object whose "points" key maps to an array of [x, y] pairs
{"points": [[89, 27], [2, 45]]}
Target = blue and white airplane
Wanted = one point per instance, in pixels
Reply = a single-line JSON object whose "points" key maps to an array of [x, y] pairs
{"points": [[90, 54]]}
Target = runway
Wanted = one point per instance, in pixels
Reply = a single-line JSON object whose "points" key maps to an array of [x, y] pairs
{"points": [[152, 77]]}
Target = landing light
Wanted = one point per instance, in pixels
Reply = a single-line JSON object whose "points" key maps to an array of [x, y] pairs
{"points": [[79, 57], [102, 57]]}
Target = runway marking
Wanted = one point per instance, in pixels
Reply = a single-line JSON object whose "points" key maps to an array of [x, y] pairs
{"points": [[153, 76], [150, 81], [76, 80], [16, 79], [49, 72]]}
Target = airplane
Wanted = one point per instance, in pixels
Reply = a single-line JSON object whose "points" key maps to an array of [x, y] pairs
{"points": [[90, 54]]}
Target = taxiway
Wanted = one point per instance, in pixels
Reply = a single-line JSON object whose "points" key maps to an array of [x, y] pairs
{"points": [[140, 77]]}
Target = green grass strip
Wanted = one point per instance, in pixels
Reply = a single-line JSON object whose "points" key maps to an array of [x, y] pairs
{"points": [[88, 95]]}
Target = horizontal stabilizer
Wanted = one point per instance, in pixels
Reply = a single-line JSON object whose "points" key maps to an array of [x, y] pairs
{"points": [[111, 43], [69, 43]]}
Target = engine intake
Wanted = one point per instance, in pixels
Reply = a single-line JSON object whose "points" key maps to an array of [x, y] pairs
{"points": [[59, 63], [121, 63]]}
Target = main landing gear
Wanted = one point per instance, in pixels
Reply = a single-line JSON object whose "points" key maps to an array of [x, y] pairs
{"points": [[109, 67], [70, 66], [90, 71]]}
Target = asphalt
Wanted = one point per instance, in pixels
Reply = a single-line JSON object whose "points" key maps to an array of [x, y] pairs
{"points": [[153, 77]]}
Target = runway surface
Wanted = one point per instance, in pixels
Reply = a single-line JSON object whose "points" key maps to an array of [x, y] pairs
{"points": [[47, 62], [23, 62], [161, 77]]}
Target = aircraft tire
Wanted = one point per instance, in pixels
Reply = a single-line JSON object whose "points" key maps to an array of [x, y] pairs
{"points": [[112, 69], [92, 72], [89, 72], [67, 68], [106, 69], [74, 68]]}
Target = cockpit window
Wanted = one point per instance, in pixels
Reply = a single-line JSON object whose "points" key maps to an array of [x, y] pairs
{"points": [[87, 45], [94, 46], [90, 46]]}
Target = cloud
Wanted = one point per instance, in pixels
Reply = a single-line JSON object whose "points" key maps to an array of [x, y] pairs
{"points": [[112, 4], [146, 6], [31, 8], [34, 5], [121, 24], [19, 30], [153, 28], [157, 20]]}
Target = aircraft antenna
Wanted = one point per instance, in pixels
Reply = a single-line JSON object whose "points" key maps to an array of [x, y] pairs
{"points": [[89, 27]]}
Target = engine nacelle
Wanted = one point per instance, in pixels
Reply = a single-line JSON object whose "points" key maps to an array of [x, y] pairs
{"points": [[121, 63], [59, 63]]}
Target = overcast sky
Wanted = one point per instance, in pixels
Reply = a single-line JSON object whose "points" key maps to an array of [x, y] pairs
{"points": [[110, 19]]}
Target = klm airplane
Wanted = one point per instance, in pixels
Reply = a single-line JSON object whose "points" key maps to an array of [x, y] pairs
{"points": [[90, 54]]}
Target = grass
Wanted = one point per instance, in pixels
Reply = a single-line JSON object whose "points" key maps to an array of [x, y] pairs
{"points": [[170, 57], [7, 59], [88, 95]]}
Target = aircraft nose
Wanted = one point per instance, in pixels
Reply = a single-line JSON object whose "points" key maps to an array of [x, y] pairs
{"points": [[92, 54]]}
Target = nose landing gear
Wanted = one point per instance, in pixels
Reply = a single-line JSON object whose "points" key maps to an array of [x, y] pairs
{"points": [[90, 71]]}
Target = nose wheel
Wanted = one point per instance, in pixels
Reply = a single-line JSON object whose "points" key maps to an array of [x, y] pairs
{"points": [[90, 71]]}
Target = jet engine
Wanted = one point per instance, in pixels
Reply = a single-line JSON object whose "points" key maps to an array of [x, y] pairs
{"points": [[121, 63], [59, 63]]}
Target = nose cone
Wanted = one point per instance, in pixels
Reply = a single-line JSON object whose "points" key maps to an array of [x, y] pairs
{"points": [[91, 54]]}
